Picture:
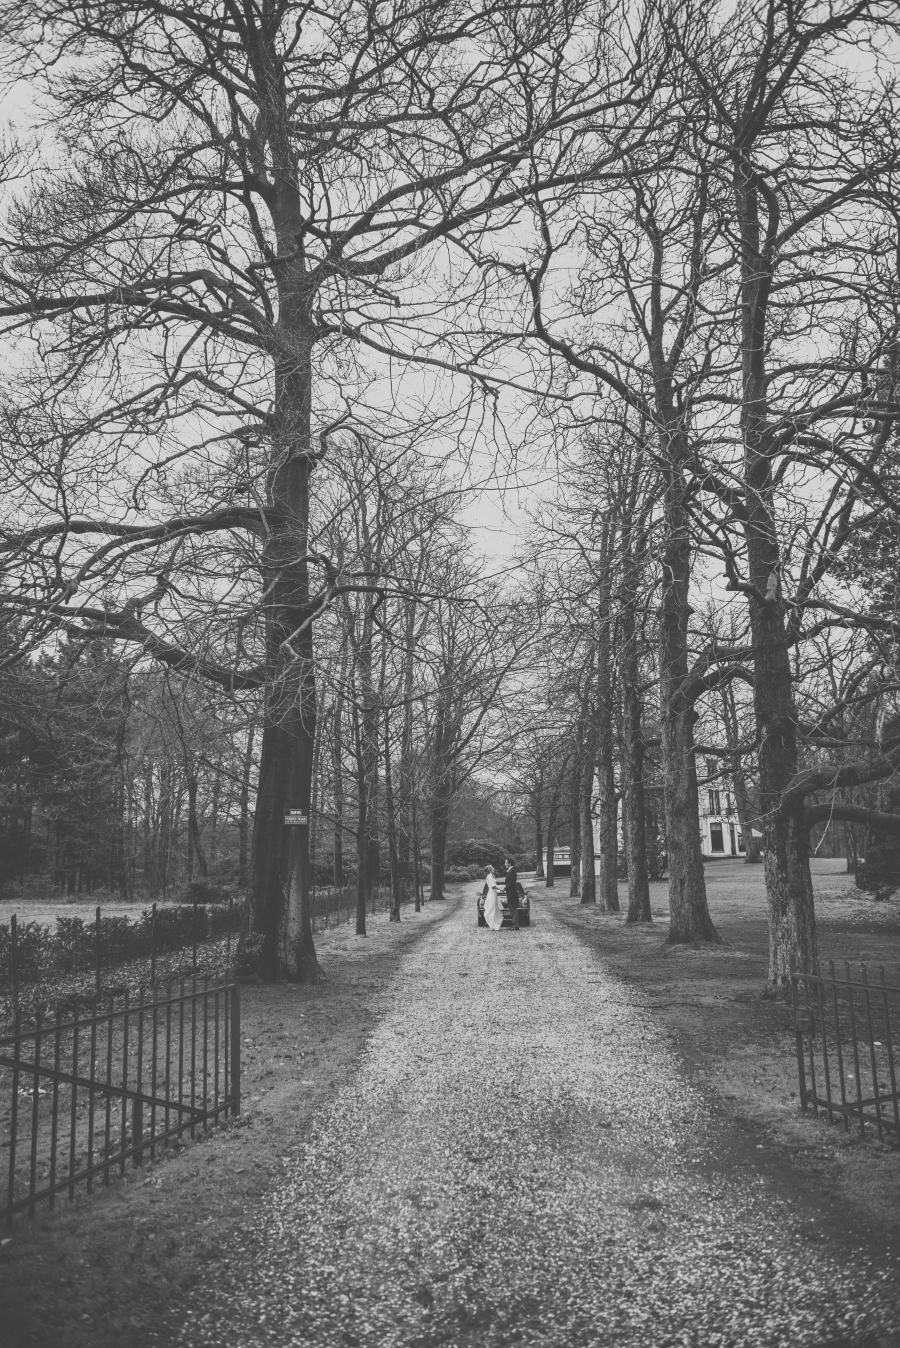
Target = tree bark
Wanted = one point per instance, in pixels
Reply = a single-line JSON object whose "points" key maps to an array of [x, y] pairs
{"points": [[149, 859], [587, 766], [391, 821], [634, 806], [441, 792], [792, 929], [538, 816], [282, 879], [747, 815], [440, 818], [689, 918], [575, 819], [417, 856], [244, 814], [195, 842], [550, 880], [337, 777], [607, 802]]}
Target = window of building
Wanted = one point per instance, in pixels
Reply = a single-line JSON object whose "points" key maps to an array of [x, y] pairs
{"points": [[715, 802], [716, 840]]}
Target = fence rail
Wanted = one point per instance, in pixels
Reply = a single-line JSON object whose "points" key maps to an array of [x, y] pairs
{"points": [[83, 1096], [335, 905], [845, 1029]]}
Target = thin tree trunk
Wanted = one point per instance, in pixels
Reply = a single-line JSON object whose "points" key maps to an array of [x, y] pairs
{"points": [[417, 856], [440, 818], [244, 815], [148, 849], [362, 832], [575, 819], [586, 796], [747, 816], [792, 926], [607, 800], [215, 804], [317, 793], [689, 918], [551, 837], [406, 810], [538, 835], [195, 843], [634, 812], [337, 776], [393, 853], [282, 880]]}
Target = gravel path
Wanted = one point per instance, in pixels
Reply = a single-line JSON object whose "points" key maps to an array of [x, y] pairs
{"points": [[519, 1160]]}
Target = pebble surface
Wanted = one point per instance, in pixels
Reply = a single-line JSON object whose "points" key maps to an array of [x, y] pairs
{"points": [[520, 1160]]}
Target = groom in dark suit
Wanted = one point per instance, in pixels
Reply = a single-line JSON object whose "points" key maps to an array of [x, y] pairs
{"points": [[512, 891]]}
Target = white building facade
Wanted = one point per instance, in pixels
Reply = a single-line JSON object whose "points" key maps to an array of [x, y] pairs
{"points": [[720, 829]]}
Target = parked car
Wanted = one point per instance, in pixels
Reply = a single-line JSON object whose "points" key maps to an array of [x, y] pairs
{"points": [[524, 907]]}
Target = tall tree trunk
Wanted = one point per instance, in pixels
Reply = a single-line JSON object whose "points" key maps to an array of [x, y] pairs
{"points": [[215, 805], [417, 855], [149, 863], [634, 812], [747, 816], [363, 849], [406, 805], [441, 793], [792, 926], [440, 821], [538, 816], [607, 802], [195, 843], [317, 791], [282, 880], [689, 918], [366, 739], [244, 814], [575, 818], [588, 767], [391, 822], [164, 832], [551, 837], [337, 777]]}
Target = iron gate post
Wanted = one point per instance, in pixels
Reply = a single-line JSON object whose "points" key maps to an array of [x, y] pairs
{"points": [[798, 1034], [236, 1049]]}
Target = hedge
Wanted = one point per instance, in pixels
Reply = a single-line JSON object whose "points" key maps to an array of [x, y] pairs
{"points": [[72, 947]]}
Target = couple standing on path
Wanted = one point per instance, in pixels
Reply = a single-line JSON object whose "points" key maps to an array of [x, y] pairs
{"points": [[493, 909]]}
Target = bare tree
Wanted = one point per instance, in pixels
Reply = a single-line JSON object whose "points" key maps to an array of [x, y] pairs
{"points": [[232, 196]]}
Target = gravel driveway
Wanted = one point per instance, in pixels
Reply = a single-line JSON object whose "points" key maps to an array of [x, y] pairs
{"points": [[520, 1161]]}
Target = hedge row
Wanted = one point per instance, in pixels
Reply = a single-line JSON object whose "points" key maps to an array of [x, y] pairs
{"points": [[42, 952]]}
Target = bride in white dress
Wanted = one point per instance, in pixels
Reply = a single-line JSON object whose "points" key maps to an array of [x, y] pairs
{"points": [[493, 910]]}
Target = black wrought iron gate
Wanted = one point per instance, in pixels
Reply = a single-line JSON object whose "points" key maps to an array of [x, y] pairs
{"points": [[845, 1026], [83, 1096]]}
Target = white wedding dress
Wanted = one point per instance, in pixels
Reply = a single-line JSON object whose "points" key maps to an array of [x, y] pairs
{"points": [[493, 910]]}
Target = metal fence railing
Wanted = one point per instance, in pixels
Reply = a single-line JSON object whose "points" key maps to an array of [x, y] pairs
{"points": [[84, 1096], [334, 905], [845, 1027], [81, 961]]}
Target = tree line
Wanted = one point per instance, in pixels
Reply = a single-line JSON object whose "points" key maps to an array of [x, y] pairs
{"points": [[270, 274]]}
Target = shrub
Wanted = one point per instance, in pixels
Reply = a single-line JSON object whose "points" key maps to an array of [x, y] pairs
{"points": [[456, 874], [475, 852], [72, 947], [880, 869], [206, 891], [33, 953]]}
